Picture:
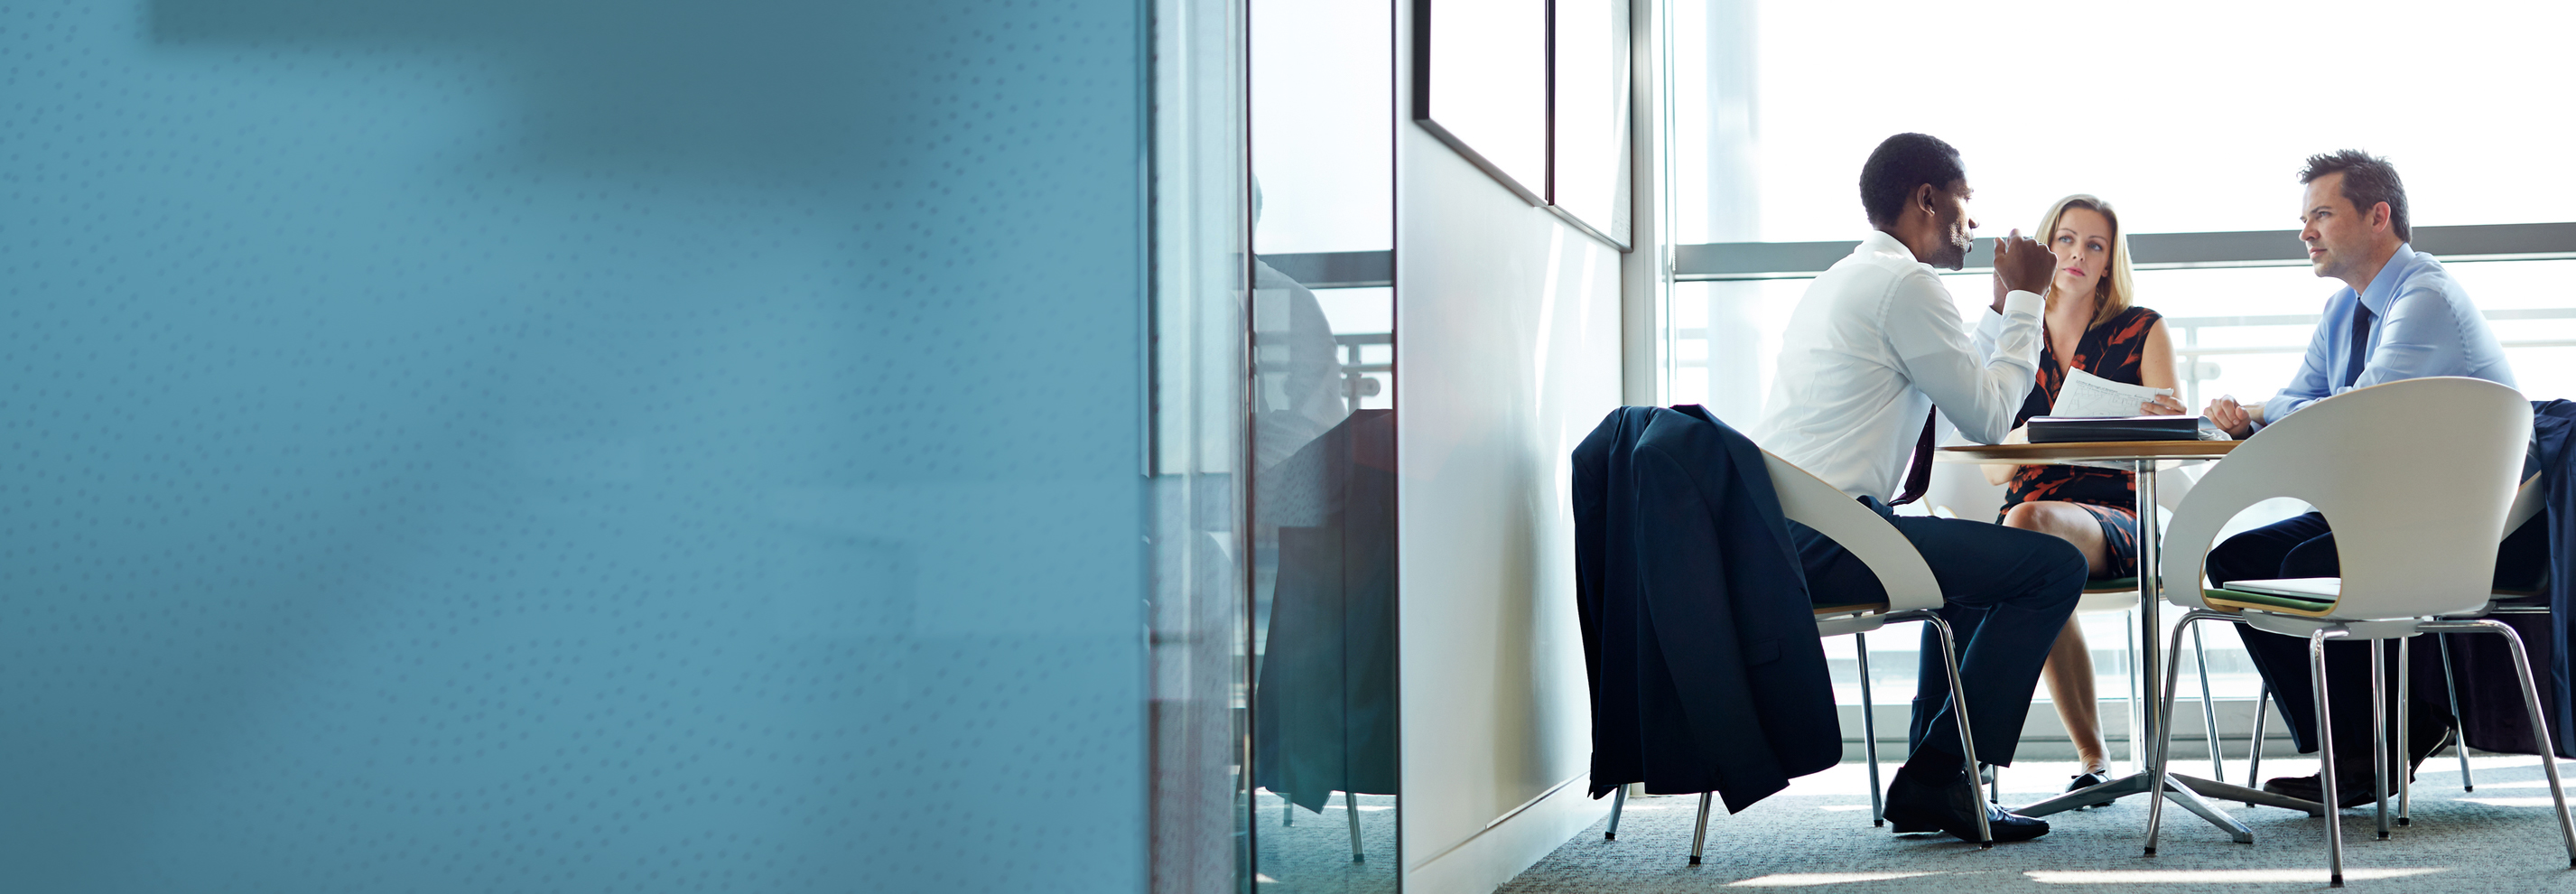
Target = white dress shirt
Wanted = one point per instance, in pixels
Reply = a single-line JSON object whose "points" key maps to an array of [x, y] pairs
{"points": [[1874, 345]]}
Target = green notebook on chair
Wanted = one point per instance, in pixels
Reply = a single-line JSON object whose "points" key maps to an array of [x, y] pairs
{"points": [[2301, 593]]}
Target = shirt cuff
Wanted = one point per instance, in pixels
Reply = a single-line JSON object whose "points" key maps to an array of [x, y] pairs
{"points": [[2273, 410], [2024, 302]]}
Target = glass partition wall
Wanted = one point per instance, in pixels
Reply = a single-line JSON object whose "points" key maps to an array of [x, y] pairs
{"points": [[1768, 146], [1322, 456], [1200, 817]]}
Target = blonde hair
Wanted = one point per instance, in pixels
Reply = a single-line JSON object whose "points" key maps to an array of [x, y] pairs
{"points": [[2111, 293]]}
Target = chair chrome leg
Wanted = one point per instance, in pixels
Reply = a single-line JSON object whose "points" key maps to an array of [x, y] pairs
{"points": [[1699, 833], [2540, 730], [2325, 750], [2208, 707], [1994, 783], [1618, 802], [1959, 710], [1869, 734], [2459, 746], [2137, 712], [2254, 754], [1351, 806], [2405, 747], [2162, 762], [2379, 732]]}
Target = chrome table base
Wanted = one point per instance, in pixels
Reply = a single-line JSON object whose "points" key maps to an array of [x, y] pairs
{"points": [[2191, 792]]}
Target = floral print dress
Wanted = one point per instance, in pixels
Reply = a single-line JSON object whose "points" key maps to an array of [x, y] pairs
{"points": [[2112, 349]]}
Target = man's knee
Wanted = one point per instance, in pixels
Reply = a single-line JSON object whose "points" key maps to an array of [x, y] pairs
{"points": [[2228, 560], [2067, 569]]}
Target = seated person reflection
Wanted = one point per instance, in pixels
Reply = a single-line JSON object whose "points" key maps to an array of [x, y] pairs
{"points": [[2399, 316], [2089, 325], [1871, 349]]}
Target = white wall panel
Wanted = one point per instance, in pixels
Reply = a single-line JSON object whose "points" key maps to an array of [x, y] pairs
{"points": [[1508, 336]]}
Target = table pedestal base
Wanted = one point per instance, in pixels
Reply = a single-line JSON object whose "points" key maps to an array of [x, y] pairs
{"points": [[2191, 792]]}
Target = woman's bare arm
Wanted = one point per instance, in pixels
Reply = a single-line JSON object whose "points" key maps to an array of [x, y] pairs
{"points": [[2156, 370]]}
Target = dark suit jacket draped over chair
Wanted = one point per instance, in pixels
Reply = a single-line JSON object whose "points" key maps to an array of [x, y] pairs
{"points": [[1325, 696], [2491, 712], [1706, 670]]}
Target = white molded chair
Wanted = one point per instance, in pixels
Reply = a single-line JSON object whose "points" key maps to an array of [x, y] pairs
{"points": [[2528, 501], [1912, 595], [2417, 477]]}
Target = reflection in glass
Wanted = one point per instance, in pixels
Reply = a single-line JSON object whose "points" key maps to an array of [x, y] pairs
{"points": [[1588, 173], [1323, 590], [1199, 809], [1482, 86], [1323, 653]]}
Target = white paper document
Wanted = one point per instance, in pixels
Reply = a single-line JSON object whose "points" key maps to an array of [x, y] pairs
{"points": [[2086, 394]]}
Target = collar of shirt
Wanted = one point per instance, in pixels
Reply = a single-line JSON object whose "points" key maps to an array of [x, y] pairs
{"points": [[2382, 293], [1881, 242]]}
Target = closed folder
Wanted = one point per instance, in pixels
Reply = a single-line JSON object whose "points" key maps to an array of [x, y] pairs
{"points": [[2066, 429]]}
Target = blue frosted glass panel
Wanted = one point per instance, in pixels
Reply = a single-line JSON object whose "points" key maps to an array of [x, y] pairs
{"points": [[570, 446]]}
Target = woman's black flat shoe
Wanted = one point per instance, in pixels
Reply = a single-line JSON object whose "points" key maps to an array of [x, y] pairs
{"points": [[2087, 780]]}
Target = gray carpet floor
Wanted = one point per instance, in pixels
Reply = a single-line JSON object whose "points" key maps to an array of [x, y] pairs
{"points": [[1817, 835], [1306, 852]]}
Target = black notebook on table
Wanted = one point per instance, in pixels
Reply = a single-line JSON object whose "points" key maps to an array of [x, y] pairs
{"points": [[2068, 429]]}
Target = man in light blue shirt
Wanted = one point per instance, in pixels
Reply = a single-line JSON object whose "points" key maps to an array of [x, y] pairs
{"points": [[2400, 316]]}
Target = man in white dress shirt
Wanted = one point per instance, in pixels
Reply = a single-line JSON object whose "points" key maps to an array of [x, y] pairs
{"points": [[1872, 348]]}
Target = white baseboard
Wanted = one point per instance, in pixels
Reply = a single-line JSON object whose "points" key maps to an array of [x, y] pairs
{"points": [[1512, 844]]}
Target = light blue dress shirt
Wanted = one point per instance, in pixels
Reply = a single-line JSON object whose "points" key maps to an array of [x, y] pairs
{"points": [[2426, 326]]}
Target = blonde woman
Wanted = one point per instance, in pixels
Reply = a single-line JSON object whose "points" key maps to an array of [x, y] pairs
{"points": [[2090, 325]]}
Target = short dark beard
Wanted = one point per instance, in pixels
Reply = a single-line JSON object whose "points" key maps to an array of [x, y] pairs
{"points": [[1952, 255]]}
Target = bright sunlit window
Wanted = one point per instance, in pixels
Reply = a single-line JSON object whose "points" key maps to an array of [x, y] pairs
{"points": [[2189, 116]]}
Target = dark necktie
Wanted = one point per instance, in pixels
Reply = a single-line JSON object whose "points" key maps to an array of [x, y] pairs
{"points": [[1918, 472], [2361, 318]]}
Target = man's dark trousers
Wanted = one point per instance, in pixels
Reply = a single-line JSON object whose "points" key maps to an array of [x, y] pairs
{"points": [[2304, 547], [2007, 593]]}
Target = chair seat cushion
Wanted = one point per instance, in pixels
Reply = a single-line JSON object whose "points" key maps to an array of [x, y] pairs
{"points": [[2111, 585]]}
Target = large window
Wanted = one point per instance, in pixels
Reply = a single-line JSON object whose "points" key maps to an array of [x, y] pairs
{"points": [[2190, 115], [2185, 127]]}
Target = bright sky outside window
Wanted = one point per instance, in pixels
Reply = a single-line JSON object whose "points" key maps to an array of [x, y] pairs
{"points": [[2188, 116]]}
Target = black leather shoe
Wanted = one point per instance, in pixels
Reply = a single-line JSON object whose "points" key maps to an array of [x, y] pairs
{"points": [[2351, 792], [1913, 809], [2355, 789], [2088, 779]]}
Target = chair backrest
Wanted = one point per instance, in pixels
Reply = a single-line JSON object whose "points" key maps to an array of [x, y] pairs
{"points": [[2528, 500], [1809, 501], [2415, 476]]}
